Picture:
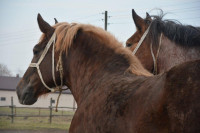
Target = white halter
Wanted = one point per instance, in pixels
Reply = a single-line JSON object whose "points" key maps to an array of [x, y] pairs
{"points": [[59, 65], [141, 40], [153, 56]]}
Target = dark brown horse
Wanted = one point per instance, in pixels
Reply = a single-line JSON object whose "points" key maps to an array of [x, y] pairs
{"points": [[170, 42], [114, 93]]}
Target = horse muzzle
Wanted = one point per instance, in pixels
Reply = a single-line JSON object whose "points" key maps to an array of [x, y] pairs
{"points": [[26, 94]]}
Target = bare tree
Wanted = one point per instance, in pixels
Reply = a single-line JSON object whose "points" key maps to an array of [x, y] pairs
{"points": [[4, 70]]}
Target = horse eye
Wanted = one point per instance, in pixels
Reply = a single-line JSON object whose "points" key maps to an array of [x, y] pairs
{"points": [[128, 45], [148, 22], [35, 52]]}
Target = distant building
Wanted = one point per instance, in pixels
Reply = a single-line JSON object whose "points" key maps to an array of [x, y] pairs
{"points": [[8, 89]]}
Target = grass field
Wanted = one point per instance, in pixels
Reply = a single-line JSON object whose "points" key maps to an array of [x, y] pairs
{"points": [[35, 123]]}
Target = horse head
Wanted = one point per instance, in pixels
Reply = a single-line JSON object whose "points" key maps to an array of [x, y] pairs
{"points": [[144, 50], [40, 77]]}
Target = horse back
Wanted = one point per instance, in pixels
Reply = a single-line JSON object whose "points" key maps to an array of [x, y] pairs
{"points": [[132, 104], [182, 89], [164, 103]]}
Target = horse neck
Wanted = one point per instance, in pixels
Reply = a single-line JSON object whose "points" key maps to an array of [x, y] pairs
{"points": [[91, 65], [172, 54]]}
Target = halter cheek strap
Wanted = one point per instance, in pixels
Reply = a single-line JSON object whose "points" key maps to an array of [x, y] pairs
{"points": [[155, 70], [141, 40]]}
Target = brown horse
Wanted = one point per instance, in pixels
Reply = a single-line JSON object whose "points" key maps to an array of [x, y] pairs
{"points": [[166, 44], [114, 93]]}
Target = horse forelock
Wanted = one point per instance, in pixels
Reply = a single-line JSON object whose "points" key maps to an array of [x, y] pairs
{"points": [[66, 33]]}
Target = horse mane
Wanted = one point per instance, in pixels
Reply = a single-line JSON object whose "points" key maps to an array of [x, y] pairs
{"points": [[66, 33], [184, 35]]}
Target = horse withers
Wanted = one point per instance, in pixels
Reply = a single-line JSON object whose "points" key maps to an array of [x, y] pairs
{"points": [[163, 43], [113, 91]]}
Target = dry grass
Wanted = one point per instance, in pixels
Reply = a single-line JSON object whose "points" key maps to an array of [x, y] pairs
{"points": [[35, 123]]}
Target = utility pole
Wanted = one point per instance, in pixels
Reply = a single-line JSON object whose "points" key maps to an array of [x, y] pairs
{"points": [[106, 20]]}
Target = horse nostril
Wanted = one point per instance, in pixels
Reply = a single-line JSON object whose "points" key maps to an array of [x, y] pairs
{"points": [[128, 45]]}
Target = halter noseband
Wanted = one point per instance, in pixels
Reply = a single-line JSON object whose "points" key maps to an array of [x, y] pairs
{"points": [[152, 54], [58, 68]]}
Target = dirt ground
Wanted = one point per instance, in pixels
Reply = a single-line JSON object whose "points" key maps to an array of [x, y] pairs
{"points": [[34, 131]]}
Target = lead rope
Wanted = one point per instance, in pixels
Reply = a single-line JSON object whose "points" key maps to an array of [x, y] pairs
{"points": [[154, 60], [53, 72], [59, 68], [60, 92], [155, 71]]}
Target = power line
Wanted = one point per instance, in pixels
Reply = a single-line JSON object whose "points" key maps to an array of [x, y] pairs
{"points": [[20, 31], [17, 42], [122, 22], [178, 9], [16, 37], [85, 17], [160, 6], [191, 9], [183, 3], [178, 19], [182, 9]]}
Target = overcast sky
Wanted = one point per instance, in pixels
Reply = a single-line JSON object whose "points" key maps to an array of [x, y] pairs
{"points": [[19, 31]]}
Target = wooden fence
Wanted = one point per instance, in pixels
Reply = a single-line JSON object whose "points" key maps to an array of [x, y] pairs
{"points": [[13, 111]]}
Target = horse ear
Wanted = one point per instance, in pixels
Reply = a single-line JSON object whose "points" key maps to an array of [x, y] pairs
{"points": [[56, 21], [148, 19], [148, 16], [139, 22], [44, 26]]}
